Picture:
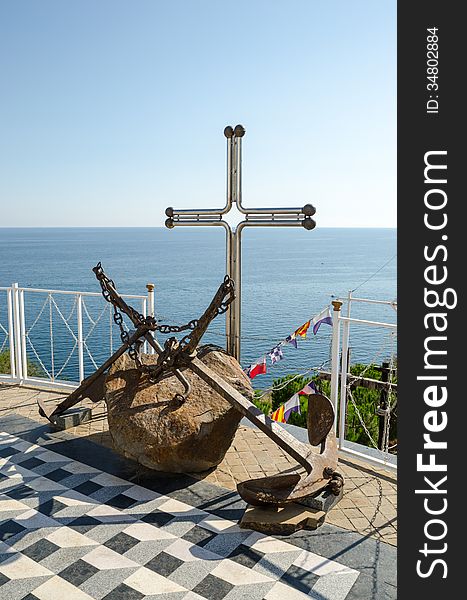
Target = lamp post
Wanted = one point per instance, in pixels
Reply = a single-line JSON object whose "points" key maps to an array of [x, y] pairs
{"points": [[253, 217]]}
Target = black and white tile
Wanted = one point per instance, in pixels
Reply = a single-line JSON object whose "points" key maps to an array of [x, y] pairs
{"points": [[70, 531]]}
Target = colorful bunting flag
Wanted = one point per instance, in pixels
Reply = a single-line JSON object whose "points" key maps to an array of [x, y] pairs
{"points": [[276, 354], [310, 388], [291, 339], [323, 317], [301, 331], [282, 414], [258, 368]]}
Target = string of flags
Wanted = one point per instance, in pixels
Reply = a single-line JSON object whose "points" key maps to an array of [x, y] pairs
{"points": [[276, 354], [282, 414]]}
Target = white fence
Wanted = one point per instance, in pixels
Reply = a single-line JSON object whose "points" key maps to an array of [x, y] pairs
{"points": [[56, 338], [49, 335], [341, 381]]}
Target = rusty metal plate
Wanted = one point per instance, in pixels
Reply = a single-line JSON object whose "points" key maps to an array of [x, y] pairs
{"points": [[320, 418]]}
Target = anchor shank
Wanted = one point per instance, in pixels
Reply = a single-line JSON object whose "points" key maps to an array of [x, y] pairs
{"points": [[287, 442]]}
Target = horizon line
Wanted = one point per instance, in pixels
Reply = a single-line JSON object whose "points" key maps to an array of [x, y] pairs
{"points": [[163, 227]]}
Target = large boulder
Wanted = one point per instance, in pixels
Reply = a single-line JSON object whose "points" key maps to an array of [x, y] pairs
{"points": [[148, 426]]}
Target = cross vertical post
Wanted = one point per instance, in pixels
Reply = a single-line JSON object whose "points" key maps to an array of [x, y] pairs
{"points": [[253, 217]]}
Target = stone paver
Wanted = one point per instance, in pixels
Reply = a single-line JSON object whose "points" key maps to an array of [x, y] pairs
{"points": [[369, 505]]}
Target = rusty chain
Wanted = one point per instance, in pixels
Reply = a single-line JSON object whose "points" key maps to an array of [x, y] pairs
{"points": [[172, 348]]}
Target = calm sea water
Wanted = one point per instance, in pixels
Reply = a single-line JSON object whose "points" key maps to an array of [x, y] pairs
{"points": [[289, 275]]}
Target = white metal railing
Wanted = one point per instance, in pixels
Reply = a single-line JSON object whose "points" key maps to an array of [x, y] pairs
{"points": [[49, 333], [340, 389], [26, 311]]}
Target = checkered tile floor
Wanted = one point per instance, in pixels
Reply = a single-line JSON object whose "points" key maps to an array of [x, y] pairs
{"points": [[69, 531]]}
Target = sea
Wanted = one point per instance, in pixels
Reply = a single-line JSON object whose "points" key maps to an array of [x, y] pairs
{"points": [[288, 277]]}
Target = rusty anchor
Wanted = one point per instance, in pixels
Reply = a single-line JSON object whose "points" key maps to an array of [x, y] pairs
{"points": [[319, 459]]}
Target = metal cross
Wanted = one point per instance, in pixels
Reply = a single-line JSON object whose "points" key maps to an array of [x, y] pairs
{"points": [[253, 217]]}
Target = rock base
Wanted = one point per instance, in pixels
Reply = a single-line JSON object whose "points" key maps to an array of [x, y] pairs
{"points": [[281, 520], [147, 424]]}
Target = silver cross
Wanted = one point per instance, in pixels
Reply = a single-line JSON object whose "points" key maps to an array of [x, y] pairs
{"points": [[253, 217]]}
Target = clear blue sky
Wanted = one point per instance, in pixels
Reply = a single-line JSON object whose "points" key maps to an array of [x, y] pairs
{"points": [[112, 110]]}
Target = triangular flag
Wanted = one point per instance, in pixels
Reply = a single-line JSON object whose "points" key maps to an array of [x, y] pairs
{"points": [[258, 368], [310, 388], [301, 331], [323, 317], [291, 339], [282, 414]]}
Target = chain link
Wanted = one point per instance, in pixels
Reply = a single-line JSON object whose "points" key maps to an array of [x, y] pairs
{"points": [[172, 347]]}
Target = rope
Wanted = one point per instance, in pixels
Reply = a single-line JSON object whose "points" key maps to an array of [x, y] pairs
{"points": [[376, 356], [91, 320], [38, 316], [284, 384], [75, 345], [375, 273], [94, 323], [4, 343], [386, 430], [63, 318], [75, 304], [91, 329], [38, 357], [51, 301]]}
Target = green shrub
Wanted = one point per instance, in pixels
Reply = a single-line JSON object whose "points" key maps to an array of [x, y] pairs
{"points": [[34, 370], [365, 399]]}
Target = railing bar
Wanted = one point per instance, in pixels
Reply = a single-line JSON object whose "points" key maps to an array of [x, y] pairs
{"points": [[387, 302], [364, 322], [384, 464], [74, 293]]}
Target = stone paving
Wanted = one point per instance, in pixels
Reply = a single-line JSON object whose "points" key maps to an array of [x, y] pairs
{"points": [[369, 505]]}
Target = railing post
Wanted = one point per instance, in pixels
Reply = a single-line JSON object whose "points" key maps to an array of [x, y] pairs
{"points": [[11, 333], [144, 311], [17, 332], [79, 316], [150, 287], [335, 356], [344, 369], [150, 310], [24, 356]]}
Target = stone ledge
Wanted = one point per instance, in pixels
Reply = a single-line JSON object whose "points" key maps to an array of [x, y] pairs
{"points": [[281, 520]]}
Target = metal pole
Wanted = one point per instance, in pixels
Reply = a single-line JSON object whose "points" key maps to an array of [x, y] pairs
{"points": [[345, 366], [263, 217], [79, 316], [229, 267], [17, 332], [24, 359], [11, 334], [151, 311], [237, 309], [144, 311], [383, 405], [335, 356], [150, 287]]}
